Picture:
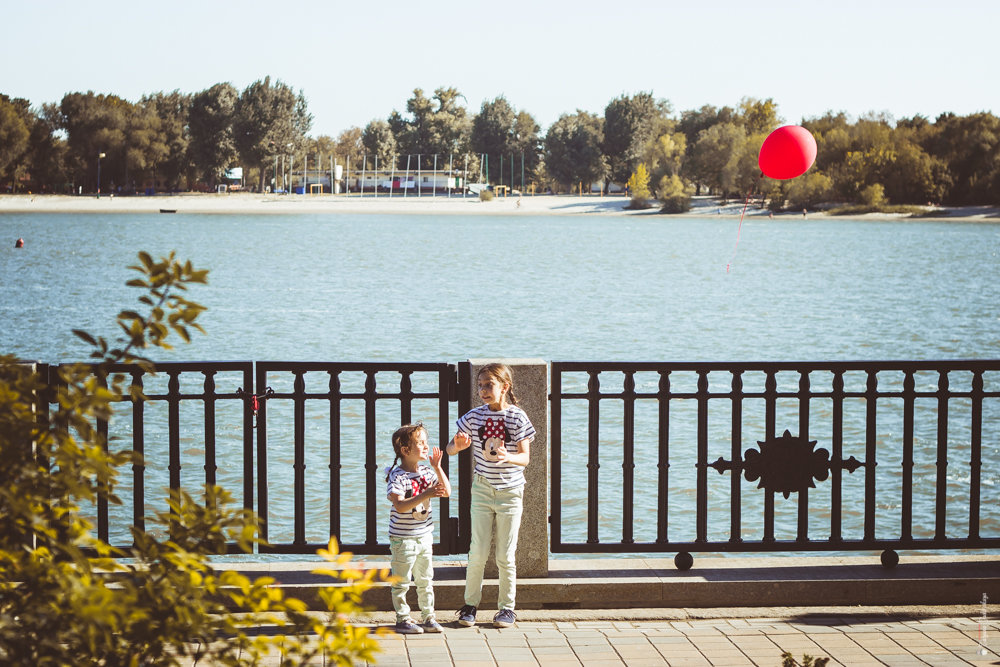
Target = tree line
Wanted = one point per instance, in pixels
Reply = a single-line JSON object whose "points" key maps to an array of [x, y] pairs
{"points": [[180, 141]]}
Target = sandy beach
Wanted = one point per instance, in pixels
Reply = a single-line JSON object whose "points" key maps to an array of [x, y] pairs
{"points": [[248, 203]]}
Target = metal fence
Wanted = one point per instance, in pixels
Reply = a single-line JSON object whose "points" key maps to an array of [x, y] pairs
{"points": [[282, 441], [645, 457], [762, 456]]}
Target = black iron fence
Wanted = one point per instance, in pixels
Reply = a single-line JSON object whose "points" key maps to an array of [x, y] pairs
{"points": [[379, 383], [302, 441], [774, 456], [645, 457]]}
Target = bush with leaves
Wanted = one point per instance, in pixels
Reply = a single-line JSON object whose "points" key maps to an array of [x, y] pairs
{"points": [[807, 191], [638, 186], [674, 195], [788, 660], [67, 598]]}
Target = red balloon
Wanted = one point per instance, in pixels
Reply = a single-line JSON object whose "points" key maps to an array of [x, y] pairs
{"points": [[787, 152]]}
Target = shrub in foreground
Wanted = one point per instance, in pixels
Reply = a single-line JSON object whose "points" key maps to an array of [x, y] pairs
{"points": [[65, 599]]}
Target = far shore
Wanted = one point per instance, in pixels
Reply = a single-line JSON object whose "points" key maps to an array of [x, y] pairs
{"points": [[427, 204]]}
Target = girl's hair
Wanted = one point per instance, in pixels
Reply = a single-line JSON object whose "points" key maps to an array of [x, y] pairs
{"points": [[401, 438], [501, 373]]}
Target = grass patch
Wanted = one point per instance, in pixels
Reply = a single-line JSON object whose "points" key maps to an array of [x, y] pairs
{"points": [[860, 209]]}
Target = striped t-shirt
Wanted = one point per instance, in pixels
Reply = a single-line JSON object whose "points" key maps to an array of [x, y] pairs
{"points": [[417, 521], [489, 430]]}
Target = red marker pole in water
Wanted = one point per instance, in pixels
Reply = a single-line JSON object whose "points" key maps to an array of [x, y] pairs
{"points": [[740, 228]]}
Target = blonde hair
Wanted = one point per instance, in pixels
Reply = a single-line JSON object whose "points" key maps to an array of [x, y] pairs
{"points": [[403, 437], [502, 374]]}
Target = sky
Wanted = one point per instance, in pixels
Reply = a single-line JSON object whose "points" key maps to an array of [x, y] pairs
{"points": [[358, 61]]}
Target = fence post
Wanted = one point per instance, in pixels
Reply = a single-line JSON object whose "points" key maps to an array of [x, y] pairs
{"points": [[531, 383]]}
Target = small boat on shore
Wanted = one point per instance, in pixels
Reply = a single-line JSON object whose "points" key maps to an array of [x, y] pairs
{"points": [[168, 210]]}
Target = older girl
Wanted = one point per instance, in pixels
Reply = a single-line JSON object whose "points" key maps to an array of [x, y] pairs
{"points": [[500, 434]]}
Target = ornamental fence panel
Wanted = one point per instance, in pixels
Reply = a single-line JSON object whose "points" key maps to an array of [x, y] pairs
{"points": [[797, 456]]}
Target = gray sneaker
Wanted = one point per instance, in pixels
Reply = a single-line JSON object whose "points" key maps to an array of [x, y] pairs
{"points": [[467, 616], [408, 627], [431, 626], [504, 618]]}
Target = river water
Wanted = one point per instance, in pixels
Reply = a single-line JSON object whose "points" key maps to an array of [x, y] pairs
{"points": [[408, 288]]}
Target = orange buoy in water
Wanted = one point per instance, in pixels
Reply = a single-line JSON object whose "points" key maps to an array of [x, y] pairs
{"points": [[19, 243]]}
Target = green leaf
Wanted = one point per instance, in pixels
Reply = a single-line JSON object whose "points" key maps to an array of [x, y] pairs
{"points": [[84, 336]]}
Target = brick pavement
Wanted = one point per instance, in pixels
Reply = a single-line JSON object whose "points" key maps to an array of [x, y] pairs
{"points": [[855, 639]]}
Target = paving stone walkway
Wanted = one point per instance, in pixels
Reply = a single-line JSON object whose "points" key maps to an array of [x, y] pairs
{"points": [[854, 640]]}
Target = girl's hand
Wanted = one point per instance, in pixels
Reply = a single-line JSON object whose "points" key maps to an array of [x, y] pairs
{"points": [[436, 456], [462, 441], [501, 454], [439, 490]]}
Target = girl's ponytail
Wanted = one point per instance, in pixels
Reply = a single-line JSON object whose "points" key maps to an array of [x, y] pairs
{"points": [[401, 438], [502, 374]]}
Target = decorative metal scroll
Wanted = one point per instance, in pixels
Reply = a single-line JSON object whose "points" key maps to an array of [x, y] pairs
{"points": [[787, 464]]}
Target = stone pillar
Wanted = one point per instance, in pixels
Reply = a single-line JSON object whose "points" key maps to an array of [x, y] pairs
{"points": [[531, 386]]}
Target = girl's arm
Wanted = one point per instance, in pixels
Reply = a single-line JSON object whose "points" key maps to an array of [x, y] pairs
{"points": [[436, 456], [404, 505], [458, 443], [522, 456]]}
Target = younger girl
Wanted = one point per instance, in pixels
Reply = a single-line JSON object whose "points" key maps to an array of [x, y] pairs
{"points": [[411, 486], [501, 434]]}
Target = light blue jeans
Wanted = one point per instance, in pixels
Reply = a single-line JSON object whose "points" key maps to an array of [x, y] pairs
{"points": [[413, 556], [503, 509]]}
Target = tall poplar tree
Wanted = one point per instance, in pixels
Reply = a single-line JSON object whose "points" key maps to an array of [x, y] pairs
{"points": [[267, 118]]}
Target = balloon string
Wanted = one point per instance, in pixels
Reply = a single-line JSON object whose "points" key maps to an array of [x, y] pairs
{"points": [[739, 229]]}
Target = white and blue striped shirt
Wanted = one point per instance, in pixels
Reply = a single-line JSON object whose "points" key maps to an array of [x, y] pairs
{"points": [[419, 520], [489, 430]]}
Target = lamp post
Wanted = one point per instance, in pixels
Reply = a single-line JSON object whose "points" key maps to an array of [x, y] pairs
{"points": [[99, 156]]}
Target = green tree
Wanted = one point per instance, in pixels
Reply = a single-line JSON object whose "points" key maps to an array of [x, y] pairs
{"points": [[526, 144], [665, 154], [450, 124], [970, 147], [695, 121], [267, 118], [759, 117], [46, 161], [493, 133], [719, 160], [573, 150], [833, 139], [212, 146], [348, 145], [505, 134], [96, 124], [145, 145], [436, 126], [59, 605], [914, 177], [173, 111], [380, 142], [324, 144], [13, 139], [630, 124]]}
